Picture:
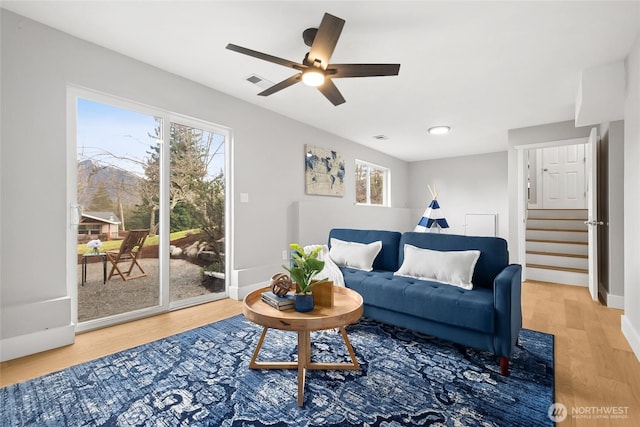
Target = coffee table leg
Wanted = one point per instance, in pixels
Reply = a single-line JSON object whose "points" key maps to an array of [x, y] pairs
{"points": [[253, 364], [354, 359], [304, 359]]}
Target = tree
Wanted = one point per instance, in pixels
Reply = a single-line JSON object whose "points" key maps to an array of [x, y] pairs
{"points": [[101, 201], [190, 152]]}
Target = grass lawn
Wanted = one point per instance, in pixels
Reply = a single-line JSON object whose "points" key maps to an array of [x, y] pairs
{"points": [[111, 245]]}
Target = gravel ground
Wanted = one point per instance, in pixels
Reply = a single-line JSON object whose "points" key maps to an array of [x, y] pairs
{"points": [[96, 300]]}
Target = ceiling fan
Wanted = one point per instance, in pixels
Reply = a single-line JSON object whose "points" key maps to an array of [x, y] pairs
{"points": [[315, 69]]}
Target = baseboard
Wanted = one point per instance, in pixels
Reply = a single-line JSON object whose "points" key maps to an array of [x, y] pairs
{"points": [[24, 345], [615, 301], [238, 293], [631, 334]]}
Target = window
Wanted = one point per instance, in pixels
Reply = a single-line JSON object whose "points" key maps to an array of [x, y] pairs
{"points": [[372, 184], [89, 229]]}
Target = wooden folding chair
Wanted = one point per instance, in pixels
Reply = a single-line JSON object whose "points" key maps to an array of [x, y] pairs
{"points": [[128, 252]]}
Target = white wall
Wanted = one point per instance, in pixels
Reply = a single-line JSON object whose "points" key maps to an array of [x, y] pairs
{"points": [[613, 135], [38, 63], [466, 185], [631, 318]]}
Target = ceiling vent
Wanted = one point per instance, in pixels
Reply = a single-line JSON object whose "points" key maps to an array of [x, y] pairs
{"points": [[260, 81]]}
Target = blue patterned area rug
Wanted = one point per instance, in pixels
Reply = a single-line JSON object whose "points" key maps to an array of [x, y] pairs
{"points": [[201, 378]]}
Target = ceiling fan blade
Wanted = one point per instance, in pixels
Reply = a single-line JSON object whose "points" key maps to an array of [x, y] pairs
{"points": [[282, 85], [266, 57], [362, 70], [331, 92], [325, 41]]}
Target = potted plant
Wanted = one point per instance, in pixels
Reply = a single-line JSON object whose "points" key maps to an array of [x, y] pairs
{"points": [[304, 267]]}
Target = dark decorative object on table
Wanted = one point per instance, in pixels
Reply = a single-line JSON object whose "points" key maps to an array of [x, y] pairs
{"points": [[280, 284], [303, 302]]}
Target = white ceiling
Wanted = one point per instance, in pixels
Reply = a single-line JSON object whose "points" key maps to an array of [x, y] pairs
{"points": [[480, 67]]}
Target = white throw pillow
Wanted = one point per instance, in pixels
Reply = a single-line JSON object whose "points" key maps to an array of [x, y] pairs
{"points": [[452, 267], [354, 255]]}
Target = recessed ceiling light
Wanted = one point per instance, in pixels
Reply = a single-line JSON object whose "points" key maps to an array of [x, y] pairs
{"points": [[439, 130]]}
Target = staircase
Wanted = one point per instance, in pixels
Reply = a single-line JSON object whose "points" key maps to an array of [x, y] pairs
{"points": [[557, 246]]}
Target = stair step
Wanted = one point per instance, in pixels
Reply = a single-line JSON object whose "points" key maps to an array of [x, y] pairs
{"points": [[556, 224], [560, 254], [551, 267], [569, 248], [556, 235], [581, 214], [569, 230], [554, 219], [557, 241], [555, 276], [558, 261]]}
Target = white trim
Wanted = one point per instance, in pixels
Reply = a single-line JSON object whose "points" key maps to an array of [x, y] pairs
{"points": [[24, 345], [103, 322], [48, 325], [615, 301], [555, 143], [386, 185], [522, 212], [72, 196], [631, 334], [522, 201]]}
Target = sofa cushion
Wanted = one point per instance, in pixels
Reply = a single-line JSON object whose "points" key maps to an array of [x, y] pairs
{"points": [[354, 254], [387, 259], [494, 256], [452, 267], [471, 309]]}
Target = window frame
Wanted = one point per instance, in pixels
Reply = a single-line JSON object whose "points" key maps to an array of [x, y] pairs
{"points": [[75, 92], [386, 183]]}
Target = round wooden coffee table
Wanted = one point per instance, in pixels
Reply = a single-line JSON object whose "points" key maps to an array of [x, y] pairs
{"points": [[346, 309]]}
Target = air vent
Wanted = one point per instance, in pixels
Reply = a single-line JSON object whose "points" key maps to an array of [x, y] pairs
{"points": [[381, 137], [259, 81]]}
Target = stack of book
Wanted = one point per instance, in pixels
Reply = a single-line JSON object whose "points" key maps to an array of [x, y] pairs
{"points": [[280, 303]]}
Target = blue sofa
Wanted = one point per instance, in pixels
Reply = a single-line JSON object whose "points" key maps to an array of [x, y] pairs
{"points": [[488, 317]]}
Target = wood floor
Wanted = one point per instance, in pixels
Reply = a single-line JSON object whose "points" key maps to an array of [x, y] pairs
{"points": [[595, 367]]}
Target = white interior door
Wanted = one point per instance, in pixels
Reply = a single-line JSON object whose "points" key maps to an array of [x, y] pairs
{"points": [[563, 174], [592, 206]]}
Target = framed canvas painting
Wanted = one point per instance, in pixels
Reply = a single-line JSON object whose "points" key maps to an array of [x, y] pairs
{"points": [[323, 171]]}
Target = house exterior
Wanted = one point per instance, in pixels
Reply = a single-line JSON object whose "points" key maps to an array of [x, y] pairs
{"points": [[102, 225]]}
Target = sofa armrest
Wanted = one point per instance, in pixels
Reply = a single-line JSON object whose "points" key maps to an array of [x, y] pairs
{"points": [[506, 297]]}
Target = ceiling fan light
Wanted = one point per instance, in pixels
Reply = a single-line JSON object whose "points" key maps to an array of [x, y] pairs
{"points": [[312, 78], [439, 130]]}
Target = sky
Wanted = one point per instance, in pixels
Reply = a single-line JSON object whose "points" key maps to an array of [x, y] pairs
{"points": [[122, 138]]}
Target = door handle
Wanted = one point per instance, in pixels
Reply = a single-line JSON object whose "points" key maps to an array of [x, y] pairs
{"points": [[592, 222]]}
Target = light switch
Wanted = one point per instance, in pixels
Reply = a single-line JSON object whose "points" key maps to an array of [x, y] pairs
{"points": [[244, 197]]}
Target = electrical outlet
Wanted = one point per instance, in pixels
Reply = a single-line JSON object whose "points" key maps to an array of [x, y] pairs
{"points": [[285, 255]]}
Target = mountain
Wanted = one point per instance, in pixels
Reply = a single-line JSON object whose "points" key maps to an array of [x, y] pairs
{"points": [[119, 185]]}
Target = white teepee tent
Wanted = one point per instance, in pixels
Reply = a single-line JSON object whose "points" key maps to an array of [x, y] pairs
{"points": [[432, 219]]}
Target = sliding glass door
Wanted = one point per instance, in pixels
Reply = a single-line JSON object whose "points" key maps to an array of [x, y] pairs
{"points": [[197, 213], [152, 210], [116, 196]]}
